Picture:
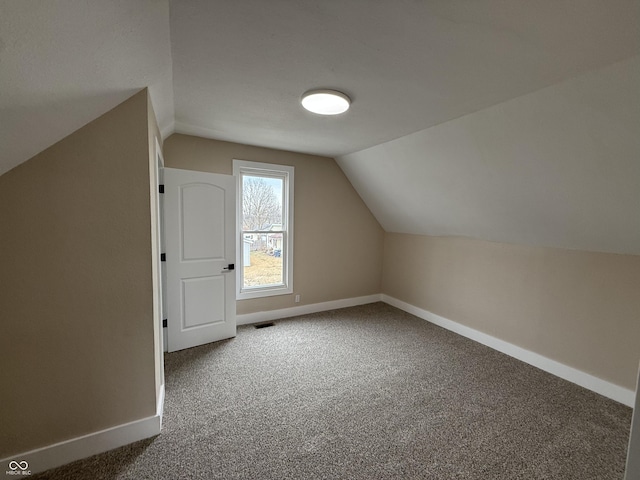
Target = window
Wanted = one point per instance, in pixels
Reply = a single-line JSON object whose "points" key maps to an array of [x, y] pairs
{"points": [[265, 229]]}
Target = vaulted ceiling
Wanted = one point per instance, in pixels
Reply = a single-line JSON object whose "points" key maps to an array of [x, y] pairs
{"points": [[504, 120]]}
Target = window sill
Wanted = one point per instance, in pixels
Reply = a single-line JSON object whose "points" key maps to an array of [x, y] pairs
{"points": [[264, 292]]}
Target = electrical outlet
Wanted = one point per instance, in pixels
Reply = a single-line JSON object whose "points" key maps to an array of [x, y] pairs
{"points": [[297, 300]]}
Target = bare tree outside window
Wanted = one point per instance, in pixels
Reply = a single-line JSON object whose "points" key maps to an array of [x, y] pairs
{"points": [[262, 227], [260, 204], [265, 229]]}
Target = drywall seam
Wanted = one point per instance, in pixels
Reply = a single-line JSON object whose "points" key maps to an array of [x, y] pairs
{"points": [[573, 375]]}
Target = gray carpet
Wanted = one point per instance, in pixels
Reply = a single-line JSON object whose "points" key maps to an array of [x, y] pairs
{"points": [[367, 393]]}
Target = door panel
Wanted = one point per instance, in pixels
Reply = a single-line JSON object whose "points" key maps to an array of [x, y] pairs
{"points": [[200, 239], [202, 301], [202, 209]]}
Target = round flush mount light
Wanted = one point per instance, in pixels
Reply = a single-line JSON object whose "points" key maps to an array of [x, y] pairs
{"points": [[326, 102]]}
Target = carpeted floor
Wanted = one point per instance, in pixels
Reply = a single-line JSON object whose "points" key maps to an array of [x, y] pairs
{"points": [[367, 392]]}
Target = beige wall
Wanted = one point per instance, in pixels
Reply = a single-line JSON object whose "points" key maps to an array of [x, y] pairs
{"points": [[338, 242], [579, 308], [76, 349]]}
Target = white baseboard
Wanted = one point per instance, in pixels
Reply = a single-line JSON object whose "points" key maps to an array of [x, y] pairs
{"points": [[68, 451], [77, 448], [595, 384], [248, 318]]}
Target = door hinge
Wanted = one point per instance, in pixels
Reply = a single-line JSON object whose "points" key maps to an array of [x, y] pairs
{"points": [[164, 323], [163, 257], [161, 188]]}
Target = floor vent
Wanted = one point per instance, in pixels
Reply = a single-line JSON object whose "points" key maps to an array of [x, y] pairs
{"points": [[264, 325]]}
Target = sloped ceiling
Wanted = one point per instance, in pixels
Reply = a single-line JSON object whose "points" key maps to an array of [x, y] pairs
{"points": [[240, 67], [65, 63], [558, 167], [442, 92]]}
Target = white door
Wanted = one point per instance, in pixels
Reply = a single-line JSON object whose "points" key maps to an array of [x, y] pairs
{"points": [[200, 244]]}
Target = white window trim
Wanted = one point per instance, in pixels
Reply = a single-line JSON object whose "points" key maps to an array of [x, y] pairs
{"points": [[246, 166]]}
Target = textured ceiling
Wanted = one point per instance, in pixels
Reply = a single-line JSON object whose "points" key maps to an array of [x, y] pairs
{"points": [[558, 167], [64, 63], [240, 67], [465, 78]]}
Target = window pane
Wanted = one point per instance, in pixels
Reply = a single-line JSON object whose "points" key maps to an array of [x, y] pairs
{"points": [[264, 266], [262, 199], [264, 219], [262, 203]]}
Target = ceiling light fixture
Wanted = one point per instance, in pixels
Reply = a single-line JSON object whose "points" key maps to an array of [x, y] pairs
{"points": [[325, 102]]}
